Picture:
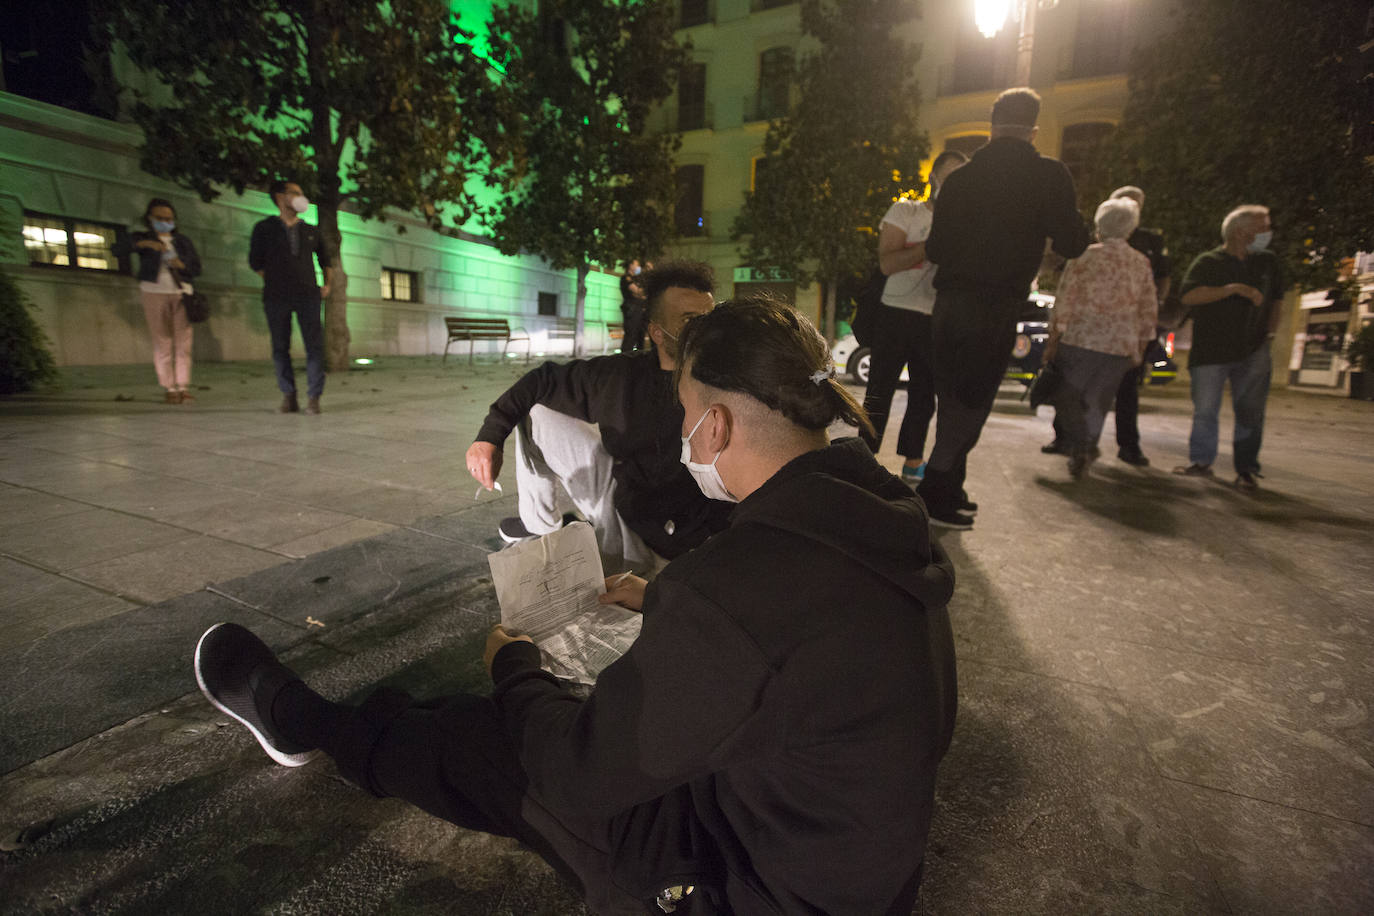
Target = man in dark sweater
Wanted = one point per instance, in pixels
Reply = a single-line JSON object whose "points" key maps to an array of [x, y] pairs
{"points": [[988, 240], [283, 251], [1151, 244], [1234, 295], [769, 744], [605, 430]]}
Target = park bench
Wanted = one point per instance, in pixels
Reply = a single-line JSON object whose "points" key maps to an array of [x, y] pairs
{"points": [[474, 329], [566, 329]]}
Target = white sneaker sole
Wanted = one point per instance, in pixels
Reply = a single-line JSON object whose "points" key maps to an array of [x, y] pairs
{"points": [[286, 760]]}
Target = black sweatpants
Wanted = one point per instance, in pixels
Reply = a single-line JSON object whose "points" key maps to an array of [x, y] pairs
{"points": [[452, 758], [901, 338], [973, 333]]}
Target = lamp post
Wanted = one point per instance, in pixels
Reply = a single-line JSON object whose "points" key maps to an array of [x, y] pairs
{"points": [[991, 15]]}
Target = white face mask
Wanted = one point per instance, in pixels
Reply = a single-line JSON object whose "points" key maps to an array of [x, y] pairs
{"points": [[300, 203], [1261, 241], [706, 475]]}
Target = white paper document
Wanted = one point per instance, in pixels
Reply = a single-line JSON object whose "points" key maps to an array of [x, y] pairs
{"points": [[548, 589]]}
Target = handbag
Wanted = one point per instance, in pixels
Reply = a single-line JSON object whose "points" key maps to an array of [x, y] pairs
{"points": [[1046, 386], [196, 305], [866, 306]]}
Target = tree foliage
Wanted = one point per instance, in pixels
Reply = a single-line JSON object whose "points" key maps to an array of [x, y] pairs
{"points": [[851, 146], [583, 181], [1263, 102], [25, 361], [373, 106]]}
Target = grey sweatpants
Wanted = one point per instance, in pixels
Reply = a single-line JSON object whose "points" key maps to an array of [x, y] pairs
{"points": [[553, 450], [1090, 382]]}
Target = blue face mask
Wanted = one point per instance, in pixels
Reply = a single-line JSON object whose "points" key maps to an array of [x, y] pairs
{"points": [[163, 226]]}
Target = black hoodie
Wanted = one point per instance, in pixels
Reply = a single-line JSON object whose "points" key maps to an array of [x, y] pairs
{"points": [[773, 734]]}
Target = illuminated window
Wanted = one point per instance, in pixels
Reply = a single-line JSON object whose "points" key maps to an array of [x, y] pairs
{"points": [[60, 241], [400, 285], [689, 218]]}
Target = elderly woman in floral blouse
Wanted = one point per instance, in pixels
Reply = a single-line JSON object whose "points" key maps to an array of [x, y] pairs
{"points": [[1104, 318]]}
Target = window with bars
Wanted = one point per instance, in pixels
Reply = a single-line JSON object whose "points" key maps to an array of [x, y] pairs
{"points": [[63, 241], [400, 285]]}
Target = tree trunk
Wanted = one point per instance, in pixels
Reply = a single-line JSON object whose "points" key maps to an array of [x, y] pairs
{"points": [[580, 328], [336, 335], [828, 289]]}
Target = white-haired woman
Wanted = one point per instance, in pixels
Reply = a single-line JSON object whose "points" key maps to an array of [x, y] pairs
{"points": [[1104, 317]]}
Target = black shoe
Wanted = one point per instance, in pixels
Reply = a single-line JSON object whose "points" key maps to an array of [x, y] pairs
{"points": [[1054, 448], [955, 521], [1133, 456], [513, 531], [967, 506], [1246, 481], [241, 677], [1078, 465], [1194, 470]]}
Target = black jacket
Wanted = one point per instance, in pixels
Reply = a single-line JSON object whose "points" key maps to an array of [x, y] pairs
{"points": [[287, 275], [150, 262], [993, 215], [631, 399], [775, 730]]}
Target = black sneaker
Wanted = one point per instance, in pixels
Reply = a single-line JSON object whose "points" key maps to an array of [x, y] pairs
{"points": [[1194, 470], [968, 506], [956, 521], [1246, 482], [1133, 456], [240, 676], [1054, 448], [513, 531]]}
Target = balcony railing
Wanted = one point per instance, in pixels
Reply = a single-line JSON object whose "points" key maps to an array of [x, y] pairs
{"points": [[767, 105], [699, 116]]}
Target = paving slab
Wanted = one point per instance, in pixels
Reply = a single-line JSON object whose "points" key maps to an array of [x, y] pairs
{"points": [[1164, 683]]}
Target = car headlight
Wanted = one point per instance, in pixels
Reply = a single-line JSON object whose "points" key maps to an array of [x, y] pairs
{"points": [[1021, 349]]}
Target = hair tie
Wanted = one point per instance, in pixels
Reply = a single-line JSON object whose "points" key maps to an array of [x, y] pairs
{"points": [[821, 375]]}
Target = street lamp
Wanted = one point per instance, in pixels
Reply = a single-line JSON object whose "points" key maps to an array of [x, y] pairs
{"points": [[991, 15]]}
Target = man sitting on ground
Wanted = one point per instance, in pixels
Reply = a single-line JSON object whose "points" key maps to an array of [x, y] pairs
{"points": [[769, 743], [606, 430]]}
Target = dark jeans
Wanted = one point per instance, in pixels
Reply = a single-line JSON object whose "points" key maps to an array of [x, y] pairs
{"points": [[307, 312], [633, 318], [451, 758], [1127, 412], [901, 338], [973, 333]]}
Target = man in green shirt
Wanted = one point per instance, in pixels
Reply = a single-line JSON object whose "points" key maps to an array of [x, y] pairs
{"points": [[1234, 294]]}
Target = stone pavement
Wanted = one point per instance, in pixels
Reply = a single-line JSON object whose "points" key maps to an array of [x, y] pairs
{"points": [[1164, 683]]}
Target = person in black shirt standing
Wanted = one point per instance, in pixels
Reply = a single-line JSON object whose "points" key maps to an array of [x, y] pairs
{"points": [[1234, 295], [282, 251], [988, 239], [1151, 244]]}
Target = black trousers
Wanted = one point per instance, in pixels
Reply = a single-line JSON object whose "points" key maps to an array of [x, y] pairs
{"points": [[451, 758], [901, 338], [973, 333], [634, 320], [1127, 411]]}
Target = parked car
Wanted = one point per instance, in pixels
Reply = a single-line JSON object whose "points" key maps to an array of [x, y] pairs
{"points": [[1032, 333], [1027, 352]]}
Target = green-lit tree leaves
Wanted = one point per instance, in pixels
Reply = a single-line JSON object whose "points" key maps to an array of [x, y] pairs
{"points": [[582, 181]]}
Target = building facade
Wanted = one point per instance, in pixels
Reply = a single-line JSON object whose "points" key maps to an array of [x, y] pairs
{"points": [[740, 76]]}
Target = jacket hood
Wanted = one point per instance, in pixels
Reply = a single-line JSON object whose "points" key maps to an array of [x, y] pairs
{"points": [[841, 497]]}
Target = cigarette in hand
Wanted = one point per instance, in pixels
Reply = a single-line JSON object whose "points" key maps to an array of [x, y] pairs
{"points": [[621, 578]]}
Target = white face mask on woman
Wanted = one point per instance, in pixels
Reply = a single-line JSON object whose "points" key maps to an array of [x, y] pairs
{"points": [[706, 475]]}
